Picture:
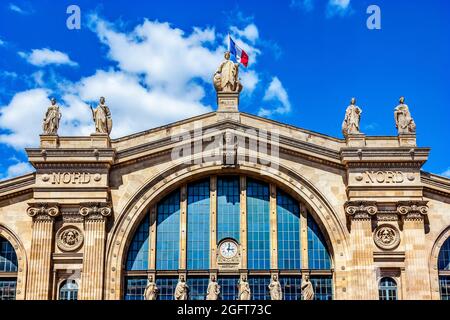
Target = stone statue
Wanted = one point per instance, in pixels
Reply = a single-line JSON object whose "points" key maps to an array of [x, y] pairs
{"points": [[275, 289], [50, 123], [403, 120], [230, 149], [226, 78], [102, 117], [213, 290], [307, 289], [244, 289], [350, 125], [151, 290], [181, 290]]}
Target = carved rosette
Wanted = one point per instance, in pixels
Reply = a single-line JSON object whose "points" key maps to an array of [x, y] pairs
{"points": [[96, 211], [361, 210], [69, 238], [386, 237], [415, 210], [43, 211]]}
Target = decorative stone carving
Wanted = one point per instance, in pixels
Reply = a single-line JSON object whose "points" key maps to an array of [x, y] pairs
{"points": [[244, 289], [403, 121], [230, 150], [350, 125], [102, 117], [275, 289], [386, 237], [412, 209], [213, 290], [361, 209], [50, 123], [307, 289], [43, 209], [226, 78], [182, 289], [96, 210], [69, 238], [151, 290]]}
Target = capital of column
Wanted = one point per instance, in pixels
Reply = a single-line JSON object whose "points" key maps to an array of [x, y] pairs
{"points": [[361, 210], [95, 211], [43, 211], [412, 210]]}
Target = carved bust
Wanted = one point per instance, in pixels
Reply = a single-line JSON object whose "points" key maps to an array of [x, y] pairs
{"points": [[386, 237], [69, 238]]}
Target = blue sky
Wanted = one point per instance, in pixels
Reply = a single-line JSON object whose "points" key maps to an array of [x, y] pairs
{"points": [[153, 61]]}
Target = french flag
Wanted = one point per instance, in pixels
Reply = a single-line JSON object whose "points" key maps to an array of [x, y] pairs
{"points": [[241, 55]]}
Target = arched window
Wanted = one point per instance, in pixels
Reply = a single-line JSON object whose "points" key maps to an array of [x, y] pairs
{"points": [[387, 289], [444, 270], [68, 290], [8, 270], [186, 214]]}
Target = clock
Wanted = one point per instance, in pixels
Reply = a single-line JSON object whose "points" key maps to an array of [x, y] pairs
{"points": [[228, 249]]}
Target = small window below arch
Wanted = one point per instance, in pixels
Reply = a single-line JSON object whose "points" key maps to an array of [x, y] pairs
{"points": [[68, 290], [444, 270], [387, 289]]}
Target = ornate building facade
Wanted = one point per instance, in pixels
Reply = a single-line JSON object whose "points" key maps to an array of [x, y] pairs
{"points": [[228, 196]]}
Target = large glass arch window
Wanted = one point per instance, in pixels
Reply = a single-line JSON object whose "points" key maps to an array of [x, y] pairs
{"points": [[8, 270], [444, 270], [188, 221]]}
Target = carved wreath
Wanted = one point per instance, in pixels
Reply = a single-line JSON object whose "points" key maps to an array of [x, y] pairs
{"points": [[69, 238], [386, 237]]}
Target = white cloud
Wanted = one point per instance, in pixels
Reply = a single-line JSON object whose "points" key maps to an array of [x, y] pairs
{"points": [[446, 173], [338, 7], [22, 118], [2, 43], [250, 32], [18, 169], [20, 10], [43, 57], [161, 76], [278, 95]]}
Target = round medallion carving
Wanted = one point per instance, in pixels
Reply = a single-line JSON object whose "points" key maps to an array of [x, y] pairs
{"points": [[45, 177], [386, 237], [69, 238], [97, 177]]}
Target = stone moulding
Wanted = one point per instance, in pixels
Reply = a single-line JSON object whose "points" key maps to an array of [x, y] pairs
{"points": [[361, 209], [43, 209], [95, 210], [412, 209]]}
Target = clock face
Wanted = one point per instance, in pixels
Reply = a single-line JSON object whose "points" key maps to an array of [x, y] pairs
{"points": [[228, 249]]}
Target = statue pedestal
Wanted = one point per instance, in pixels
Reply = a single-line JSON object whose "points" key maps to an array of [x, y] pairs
{"points": [[100, 140], [49, 140], [356, 140], [228, 103], [407, 140]]}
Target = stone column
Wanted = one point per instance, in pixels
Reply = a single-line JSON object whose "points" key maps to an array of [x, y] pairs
{"points": [[183, 228], [92, 276], [363, 275], [304, 236], [273, 228], [416, 258], [213, 222], [243, 222], [40, 265]]}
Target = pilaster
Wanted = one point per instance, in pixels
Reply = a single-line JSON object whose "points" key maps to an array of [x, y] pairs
{"points": [[417, 278], [39, 272], [92, 276], [364, 283]]}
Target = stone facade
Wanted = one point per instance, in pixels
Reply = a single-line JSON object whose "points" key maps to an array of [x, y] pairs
{"points": [[75, 216]]}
